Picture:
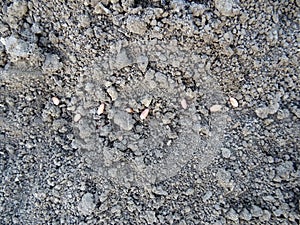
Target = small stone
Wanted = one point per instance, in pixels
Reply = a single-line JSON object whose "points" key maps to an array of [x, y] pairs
{"points": [[159, 191], [151, 217], [207, 196], [55, 101], [52, 63], [144, 114], [136, 25], [245, 215], [142, 62], [77, 117], [86, 205], [146, 101], [123, 120], [190, 191], [226, 153], [183, 103], [233, 102], [266, 216], [215, 108], [112, 93], [226, 7], [262, 112], [256, 211], [232, 215], [101, 109]]}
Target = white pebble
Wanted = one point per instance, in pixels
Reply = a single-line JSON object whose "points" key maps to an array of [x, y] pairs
{"points": [[183, 103], [144, 114], [233, 102], [101, 109], [55, 101], [215, 108], [77, 117]]}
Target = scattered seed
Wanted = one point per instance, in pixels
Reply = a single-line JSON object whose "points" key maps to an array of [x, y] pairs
{"points": [[183, 103], [55, 100], [101, 109], [144, 114], [233, 102], [77, 117], [215, 108]]}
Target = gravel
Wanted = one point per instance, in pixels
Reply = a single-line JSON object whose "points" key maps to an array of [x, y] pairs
{"points": [[149, 112]]}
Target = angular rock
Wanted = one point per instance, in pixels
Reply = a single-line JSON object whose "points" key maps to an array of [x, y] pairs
{"points": [[86, 205], [123, 120]]}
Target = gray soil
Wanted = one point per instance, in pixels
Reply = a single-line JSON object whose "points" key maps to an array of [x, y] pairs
{"points": [[149, 112]]}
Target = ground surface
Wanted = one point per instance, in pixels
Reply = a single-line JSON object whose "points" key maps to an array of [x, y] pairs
{"points": [[149, 112]]}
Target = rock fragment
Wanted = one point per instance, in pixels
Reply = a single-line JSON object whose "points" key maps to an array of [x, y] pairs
{"points": [[226, 153], [215, 108], [123, 120], [86, 205], [232, 215], [55, 101], [245, 215], [52, 63], [226, 7], [77, 117], [183, 104], [256, 211], [101, 109], [233, 102], [136, 25], [112, 93], [144, 114]]}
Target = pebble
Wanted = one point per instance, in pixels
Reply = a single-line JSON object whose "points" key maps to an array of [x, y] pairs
{"points": [[233, 102], [226, 153], [144, 114], [136, 25], [256, 211], [215, 108], [183, 103], [123, 120], [101, 109], [207, 196], [77, 117], [262, 112], [159, 191], [266, 216], [146, 101], [55, 101], [245, 215], [86, 205], [232, 215], [226, 7], [112, 93]]}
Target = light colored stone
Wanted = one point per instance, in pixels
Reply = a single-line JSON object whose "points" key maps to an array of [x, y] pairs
{"points": [[86, 205], [226, 7], [112, 93], [55, 101], [183, 104], [226, 153], [215, 108], [123, 120], [77, 117], [136, 25], [233, 102], [101, 109]]}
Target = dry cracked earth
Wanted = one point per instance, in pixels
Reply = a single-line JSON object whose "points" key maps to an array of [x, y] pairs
{"points": [[149, 112]]}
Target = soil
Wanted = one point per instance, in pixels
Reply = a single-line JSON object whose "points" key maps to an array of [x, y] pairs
{"points": [[149, 112]]}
